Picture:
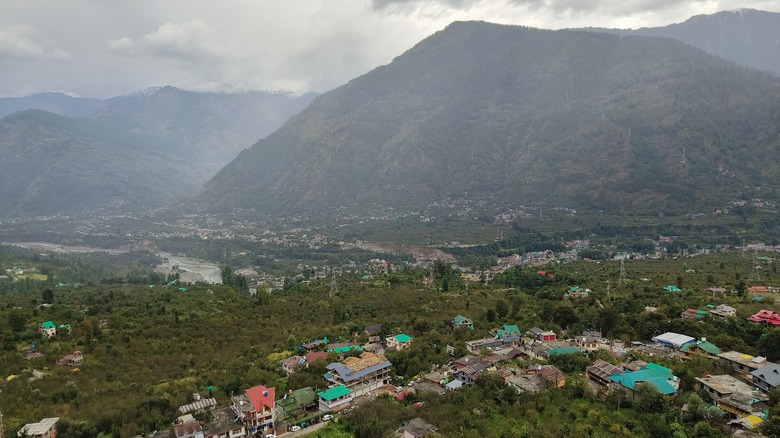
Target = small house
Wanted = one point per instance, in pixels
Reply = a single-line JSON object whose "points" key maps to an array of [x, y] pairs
{"points": [[47, 329], [399, 342], [460, 321], [767, 378], [541, 335], [46, 428], [723, 311], [418, 428]]}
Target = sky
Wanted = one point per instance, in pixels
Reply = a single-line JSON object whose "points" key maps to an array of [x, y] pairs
{"points": [[105, 48]]}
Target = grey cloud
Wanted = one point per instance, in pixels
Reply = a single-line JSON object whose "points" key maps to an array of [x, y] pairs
{"points": [[453, 4], [19, 43], [192, 42]]}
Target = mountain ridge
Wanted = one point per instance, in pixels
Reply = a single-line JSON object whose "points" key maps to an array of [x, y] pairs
{"points": [[746, 36], [479, 110], [195, 133]]}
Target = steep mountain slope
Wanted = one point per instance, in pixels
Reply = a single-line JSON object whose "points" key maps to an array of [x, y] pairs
{"points": [[481, 110], [746, 36], [53, 164], [142, 149], [211, 128]]}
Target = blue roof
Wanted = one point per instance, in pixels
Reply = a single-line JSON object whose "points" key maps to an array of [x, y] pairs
{"points": [[344, 371], [653, 374]]}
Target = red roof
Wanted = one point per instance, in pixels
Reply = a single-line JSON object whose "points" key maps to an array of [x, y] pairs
{"points": [[766, 316], [261, 396], [314, 356], [758, 289]]}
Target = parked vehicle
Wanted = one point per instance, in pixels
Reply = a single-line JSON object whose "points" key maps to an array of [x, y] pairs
{"points": [[295, 428], [327, 417]]}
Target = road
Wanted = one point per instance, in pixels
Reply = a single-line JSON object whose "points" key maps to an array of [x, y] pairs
{"points": [[304, 432]]}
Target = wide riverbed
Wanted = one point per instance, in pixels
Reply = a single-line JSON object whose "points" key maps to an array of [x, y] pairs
{"points": [[190, 269]]}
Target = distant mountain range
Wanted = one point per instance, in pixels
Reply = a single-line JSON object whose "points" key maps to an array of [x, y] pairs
{"points": [[512, 114], [745, 36], [146, 149], [500, 114]]}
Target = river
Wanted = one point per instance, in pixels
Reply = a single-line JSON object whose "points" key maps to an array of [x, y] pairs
{"points": [[190, 269]]}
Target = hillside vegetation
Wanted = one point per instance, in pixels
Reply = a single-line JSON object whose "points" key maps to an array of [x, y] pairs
{"points": [[484, 111]]}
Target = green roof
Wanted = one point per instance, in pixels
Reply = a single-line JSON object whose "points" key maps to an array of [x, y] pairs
{"points": [[707, 346], [653, 374], [335, 392], [507, 330], [346, 349], [402, 338], [460, 319], [297, 399], [672, 288], [563, 350], [48, 325]]}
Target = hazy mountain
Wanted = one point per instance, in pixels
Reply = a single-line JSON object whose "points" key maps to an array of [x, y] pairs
{"points": [[142, 149], [54, 164], [56, 102], [210, 128], [746, 36], [481, 110]]}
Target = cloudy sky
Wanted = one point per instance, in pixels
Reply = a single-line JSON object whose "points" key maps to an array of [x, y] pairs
{"points": [[102, 48]]}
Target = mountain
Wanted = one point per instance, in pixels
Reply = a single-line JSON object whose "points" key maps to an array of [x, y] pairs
{"points": [[140, 150], [746, 36], [54, 164], [56, 102], [211, 128], [511, 114]]}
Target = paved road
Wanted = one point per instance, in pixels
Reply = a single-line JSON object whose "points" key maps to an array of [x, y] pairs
{"points": [[305, 431]]}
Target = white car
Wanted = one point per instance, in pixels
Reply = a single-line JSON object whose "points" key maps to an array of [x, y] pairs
{"points": [[327, 417], [295, 428]]}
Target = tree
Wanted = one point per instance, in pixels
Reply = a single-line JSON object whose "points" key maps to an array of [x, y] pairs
{"points": [[741, 289], [17, 321], [648, 399], [769, 345], [47, 296], [491, 315], [502, 309], [564, 315]]}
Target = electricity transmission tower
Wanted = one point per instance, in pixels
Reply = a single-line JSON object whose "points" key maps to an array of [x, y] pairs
{"points": [[755, 275], [333, 285], [622, 278]]}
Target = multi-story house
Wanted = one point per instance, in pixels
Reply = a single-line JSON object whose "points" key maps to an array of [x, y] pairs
{"points": [[733, 395], [740, 363], [362, 375], [335, 398], [255, 408]]}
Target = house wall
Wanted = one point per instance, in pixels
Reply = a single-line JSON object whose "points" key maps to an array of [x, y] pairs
{"points": [[336, 404]]}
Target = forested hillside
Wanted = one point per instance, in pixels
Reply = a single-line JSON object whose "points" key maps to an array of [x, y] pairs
{"points": [[483, 111]]}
